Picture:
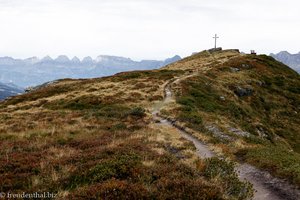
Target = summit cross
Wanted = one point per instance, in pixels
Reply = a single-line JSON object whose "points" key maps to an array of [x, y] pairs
{"points": [[216, 37]]}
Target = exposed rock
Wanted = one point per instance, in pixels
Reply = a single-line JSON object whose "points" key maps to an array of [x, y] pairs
{"points": [[234, 69], [222, 98], [246, 66], [261, 132], [239, 132], [218, 133], [242, 92], [215, 50]]}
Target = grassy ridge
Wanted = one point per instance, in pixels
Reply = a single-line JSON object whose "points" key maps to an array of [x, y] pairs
{"points": [[82, 142], [256, 94]]}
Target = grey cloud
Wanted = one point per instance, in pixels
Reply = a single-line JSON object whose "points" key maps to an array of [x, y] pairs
{"points": [[144, 28]]}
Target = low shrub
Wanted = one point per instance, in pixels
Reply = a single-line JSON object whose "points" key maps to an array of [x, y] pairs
{"points": [[224, 171], [137, 112]]}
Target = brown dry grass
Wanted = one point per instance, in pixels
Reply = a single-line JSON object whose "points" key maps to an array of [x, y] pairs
{"points": [[81, 138], [203, 61]]}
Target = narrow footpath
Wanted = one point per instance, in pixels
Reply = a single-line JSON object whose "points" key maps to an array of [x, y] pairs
{"points": [[266, 187]]}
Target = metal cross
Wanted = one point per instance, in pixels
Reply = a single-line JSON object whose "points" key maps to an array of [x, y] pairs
{"points": [[216, 37]]}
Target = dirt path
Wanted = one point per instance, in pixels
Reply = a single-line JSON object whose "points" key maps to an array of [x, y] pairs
{"points": [[266, 187]]}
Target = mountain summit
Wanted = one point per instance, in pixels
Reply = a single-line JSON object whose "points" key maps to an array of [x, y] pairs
{"points": [[292, 60], [62, 59], [47, 59]]}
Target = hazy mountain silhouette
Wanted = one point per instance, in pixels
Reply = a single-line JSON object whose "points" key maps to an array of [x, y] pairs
{"points": [[292, 60], [34, 71]]}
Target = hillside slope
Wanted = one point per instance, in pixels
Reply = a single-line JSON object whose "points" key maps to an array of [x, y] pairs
{"points": [[292, 60], [249, 107], [7, 90], [98, 138]]}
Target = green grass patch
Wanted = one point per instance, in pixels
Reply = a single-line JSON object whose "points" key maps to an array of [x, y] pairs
{"points": [[276, 159], [118, 167]]}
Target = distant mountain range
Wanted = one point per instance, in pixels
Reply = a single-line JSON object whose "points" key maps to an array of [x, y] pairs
{"points": [[7, 90], [291, 60], [34, 71]]}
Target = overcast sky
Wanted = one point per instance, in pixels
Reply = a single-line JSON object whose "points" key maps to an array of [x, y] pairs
{"points": [[145, 29]]}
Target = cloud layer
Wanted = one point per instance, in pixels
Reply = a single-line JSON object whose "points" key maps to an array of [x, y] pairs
{"points": [[145, 28]]}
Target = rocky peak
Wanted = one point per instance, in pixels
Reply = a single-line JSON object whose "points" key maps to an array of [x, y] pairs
{"points": [[62, 59]]}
